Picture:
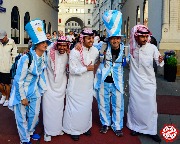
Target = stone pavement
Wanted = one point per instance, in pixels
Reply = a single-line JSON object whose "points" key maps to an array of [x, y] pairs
{"points": [[163, 88]]}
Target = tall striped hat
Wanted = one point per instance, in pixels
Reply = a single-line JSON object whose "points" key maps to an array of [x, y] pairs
{"points": [[113, 20], [35, 30]]}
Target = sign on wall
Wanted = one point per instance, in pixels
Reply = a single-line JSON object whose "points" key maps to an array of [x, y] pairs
{"points": [[2, 9]]}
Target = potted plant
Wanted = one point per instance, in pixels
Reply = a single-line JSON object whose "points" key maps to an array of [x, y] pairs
{"points": [[170, 67]]}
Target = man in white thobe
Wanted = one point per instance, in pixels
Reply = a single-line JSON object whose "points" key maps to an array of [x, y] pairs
{"points": [[78, 110], [53, 99], [142, 109]]}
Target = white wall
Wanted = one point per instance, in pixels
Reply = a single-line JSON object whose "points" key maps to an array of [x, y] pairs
{"points": [[36, 8], [155, 18]]}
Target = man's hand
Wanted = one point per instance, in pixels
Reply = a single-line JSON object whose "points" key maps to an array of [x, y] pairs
{"points": [[78, 46], [26, 51], [25, 102], [161, 58], [90, 67]]}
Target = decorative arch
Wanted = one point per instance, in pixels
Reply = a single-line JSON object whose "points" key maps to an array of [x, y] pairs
{"points": [[76, 19], [15, 24], [26, 20]]}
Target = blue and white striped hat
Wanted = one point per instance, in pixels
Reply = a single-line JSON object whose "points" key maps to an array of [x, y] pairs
{"points": [[35, 30], [113, 20]]}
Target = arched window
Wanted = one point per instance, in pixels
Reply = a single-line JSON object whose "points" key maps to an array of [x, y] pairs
{"points": [[26, 20], [49, 28], [138, 20], [44, 25], [145, 13], [128, 28], [15, 24]]}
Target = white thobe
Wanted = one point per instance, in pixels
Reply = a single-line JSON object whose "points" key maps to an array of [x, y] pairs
{"points": [[142, 109], [78, 110], [53, 99]]}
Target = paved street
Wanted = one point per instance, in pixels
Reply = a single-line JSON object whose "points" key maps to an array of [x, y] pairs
{"points": [[8, 133]]}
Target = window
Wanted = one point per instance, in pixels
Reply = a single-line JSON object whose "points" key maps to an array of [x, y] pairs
{"points": [[66, 30], [125, 27], [89, 10], [44, 25], [138, 15], [49, 28], [15, 25], [72, 24], [145, 13], [26, 20], [82, 10], [68, 24], [128, 28], [75, 24], [78, 10], [59, 20], [89, 21]]}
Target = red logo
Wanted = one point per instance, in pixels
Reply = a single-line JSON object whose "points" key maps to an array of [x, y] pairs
{"points": [[169, 133]]}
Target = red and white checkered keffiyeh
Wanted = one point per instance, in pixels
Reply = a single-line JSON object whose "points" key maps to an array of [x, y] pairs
{"points": [[62, 39], [137, 31], [85, 32]]}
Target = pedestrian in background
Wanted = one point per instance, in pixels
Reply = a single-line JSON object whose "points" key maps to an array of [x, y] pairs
{"points": [[54, 36], [79, 97], [29, 83], [60, 33], [142, 109], [29, 44], [8, 52], [109, 83], [56, 79], [71, 38], [48, 35]]}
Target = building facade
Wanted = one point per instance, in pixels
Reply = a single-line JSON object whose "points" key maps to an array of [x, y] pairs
{"points": [[162, 18], [75, 15], [19, 12]]}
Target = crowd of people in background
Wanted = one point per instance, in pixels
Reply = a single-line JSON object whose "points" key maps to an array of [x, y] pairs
{"points": [[61, 69]]}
